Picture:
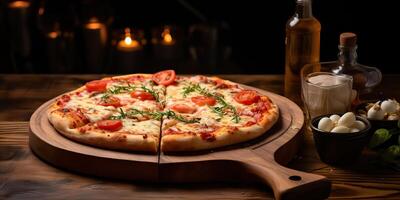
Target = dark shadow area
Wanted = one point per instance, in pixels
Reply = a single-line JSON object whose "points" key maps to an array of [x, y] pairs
{"points": [[230, 37]]}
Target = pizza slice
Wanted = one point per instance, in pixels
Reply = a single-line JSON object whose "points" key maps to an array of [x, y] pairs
{"points": [[104, 113], [213, 113]]}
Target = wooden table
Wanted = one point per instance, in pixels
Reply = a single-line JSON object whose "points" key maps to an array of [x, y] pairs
{"points": [[24, 176]]}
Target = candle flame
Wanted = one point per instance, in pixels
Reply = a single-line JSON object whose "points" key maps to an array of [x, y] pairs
{"points": [[53, 34], [128, 40], [166, 35], [19, 4], [94, 25], [168, 38]]}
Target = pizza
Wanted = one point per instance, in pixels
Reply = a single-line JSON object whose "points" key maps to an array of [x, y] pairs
{"points": [[162, 112]]}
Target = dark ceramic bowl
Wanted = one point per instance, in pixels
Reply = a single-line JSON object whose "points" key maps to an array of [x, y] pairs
{"points": [[375, 124], [340, 148]]}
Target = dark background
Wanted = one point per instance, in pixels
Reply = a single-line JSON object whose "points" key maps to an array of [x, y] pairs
{"points": [[254, 31]]}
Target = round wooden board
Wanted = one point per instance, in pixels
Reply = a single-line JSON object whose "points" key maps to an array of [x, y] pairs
{"points": [[259, 159]]}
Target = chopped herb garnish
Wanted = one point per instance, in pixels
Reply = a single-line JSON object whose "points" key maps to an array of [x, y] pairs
{"points": [[189, 89], [196, 88], [220, 99], [154, 115], [105, 96], [173, 115], [117, 89], [157, 115], [152, 92], [218, 110], [122, 115]]}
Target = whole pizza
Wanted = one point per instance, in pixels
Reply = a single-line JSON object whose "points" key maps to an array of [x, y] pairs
{"points": [[162, 112]]}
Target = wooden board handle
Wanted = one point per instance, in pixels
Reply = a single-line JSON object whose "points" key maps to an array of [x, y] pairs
{"points": [[288, 183]]}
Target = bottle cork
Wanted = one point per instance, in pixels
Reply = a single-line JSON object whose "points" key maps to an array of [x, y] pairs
{"points": [[348, 39]]}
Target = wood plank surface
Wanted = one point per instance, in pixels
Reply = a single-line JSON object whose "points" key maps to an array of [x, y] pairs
{"points": [[24, 176]]}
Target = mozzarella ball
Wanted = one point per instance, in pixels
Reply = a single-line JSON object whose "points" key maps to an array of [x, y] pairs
{"points": [[354, 130], [347, 119], [393, 117], [358, 125], [334, 118], [389, 106], [340, 129], [325, 124], [375, 112]]}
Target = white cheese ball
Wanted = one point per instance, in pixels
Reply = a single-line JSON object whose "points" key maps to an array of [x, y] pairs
{"points": [[358, 125], [354, 130], [340, 129], [393, 117], [325, 124], [334, 118], [347, 119], [375, 112], [389, 106]]}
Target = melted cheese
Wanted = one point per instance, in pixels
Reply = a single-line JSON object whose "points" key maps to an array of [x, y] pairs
{"points": [[151, 127], [174, 95], [91, 110]]}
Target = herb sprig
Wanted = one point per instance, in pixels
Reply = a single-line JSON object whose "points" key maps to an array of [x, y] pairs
{"points": [[220, 110], [118, 89], [152, 92], [121, 115], [157, 115]]}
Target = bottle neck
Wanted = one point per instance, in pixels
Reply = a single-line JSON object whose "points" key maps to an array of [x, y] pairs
{"points": [[347, 55], [303, 9]]}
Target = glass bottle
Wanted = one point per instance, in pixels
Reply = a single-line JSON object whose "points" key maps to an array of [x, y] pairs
{"points": [[302, 47], [365, 78]]}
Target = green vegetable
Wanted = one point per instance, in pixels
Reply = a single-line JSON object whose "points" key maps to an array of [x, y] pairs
{"points": [[380, 136], [398, 140], [391, 154]]}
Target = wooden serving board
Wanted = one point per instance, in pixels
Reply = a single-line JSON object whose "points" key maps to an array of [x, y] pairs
{"points": [[261, 159]]}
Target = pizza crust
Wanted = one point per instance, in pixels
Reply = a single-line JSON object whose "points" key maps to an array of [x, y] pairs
{"points": [[223, 136], [113, 140]]}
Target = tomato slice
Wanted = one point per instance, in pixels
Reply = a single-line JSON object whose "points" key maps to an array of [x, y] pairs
{"points": [[183, 108], [166, 77], [203, 100], [110, 125], [96, 86], [247, 97], [111, 101], [142, 95]]}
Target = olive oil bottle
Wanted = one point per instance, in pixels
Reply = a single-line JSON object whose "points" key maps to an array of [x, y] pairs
{"points": [[302, 47]]}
